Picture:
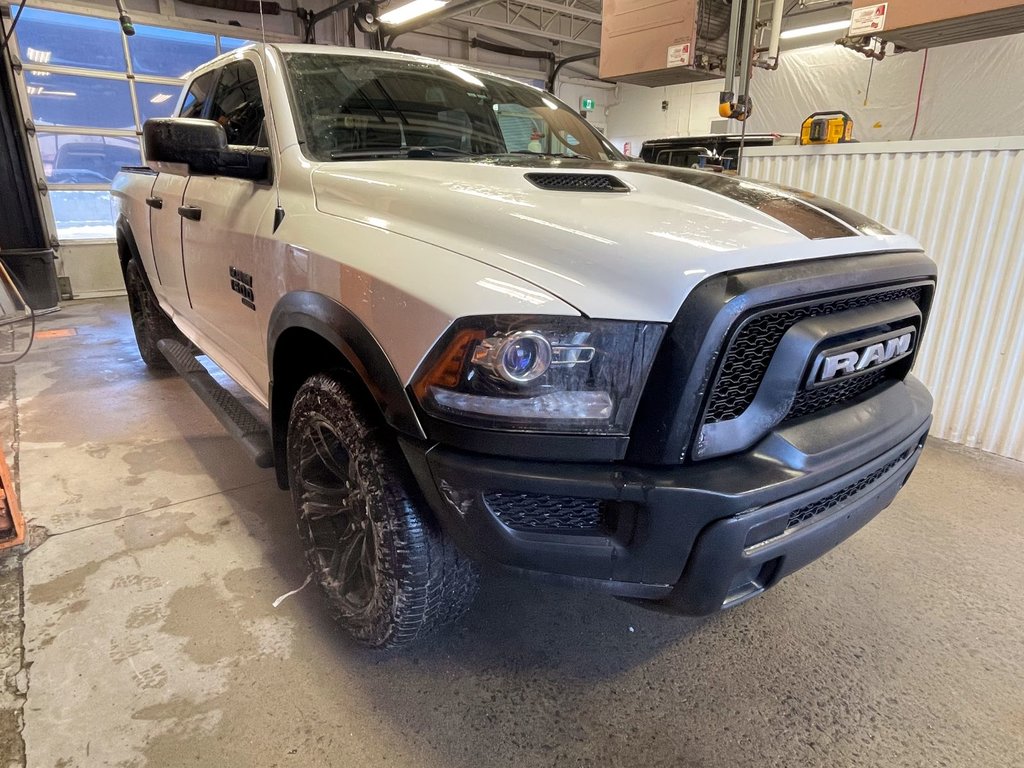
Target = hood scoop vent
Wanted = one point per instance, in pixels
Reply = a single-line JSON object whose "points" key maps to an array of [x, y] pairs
{"points": [[577, 182]]}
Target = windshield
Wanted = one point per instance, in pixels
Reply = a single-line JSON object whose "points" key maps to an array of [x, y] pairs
{"points": [[349, 107]]}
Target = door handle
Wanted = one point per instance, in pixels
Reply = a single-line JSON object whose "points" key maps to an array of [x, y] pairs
{"points": [[155, 202], [193, 212]]}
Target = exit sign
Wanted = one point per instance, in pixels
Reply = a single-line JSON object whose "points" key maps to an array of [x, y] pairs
{"points": [[586, 105]]}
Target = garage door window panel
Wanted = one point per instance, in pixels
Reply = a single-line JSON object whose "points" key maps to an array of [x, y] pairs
{"points": [[80, 102], [69, 40], [156, 99], [82, 214], [70, 158], [169, 52]]}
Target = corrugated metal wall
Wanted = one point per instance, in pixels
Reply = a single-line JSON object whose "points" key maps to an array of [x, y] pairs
{"points": [[964, 201]]}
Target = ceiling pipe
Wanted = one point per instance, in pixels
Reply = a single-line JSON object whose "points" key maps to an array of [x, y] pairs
{"points": [[568, 60]]}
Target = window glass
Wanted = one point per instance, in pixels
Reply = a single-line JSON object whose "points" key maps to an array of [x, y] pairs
{"points": [[75, 100], [238, 105], [82, 214], [68, 39], [156, 100], [169, 52], [351, 107], [73, 159], [519, 127], [198, 93], [231, 43]]}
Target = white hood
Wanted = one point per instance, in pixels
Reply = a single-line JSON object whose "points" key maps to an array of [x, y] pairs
{"points": [[626, 255]]}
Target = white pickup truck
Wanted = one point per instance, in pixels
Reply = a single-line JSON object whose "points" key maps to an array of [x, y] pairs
{"points": [[480, 334]]}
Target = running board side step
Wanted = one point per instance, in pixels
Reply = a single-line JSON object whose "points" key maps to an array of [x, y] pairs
{"points": [[235, 417]]}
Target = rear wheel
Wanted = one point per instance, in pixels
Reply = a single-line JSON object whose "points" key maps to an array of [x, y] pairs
{"points": [[148, 320], [389, 573]]}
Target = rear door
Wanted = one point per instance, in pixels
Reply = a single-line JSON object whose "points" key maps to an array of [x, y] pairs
{"points": [[221, 219], [164, 219]]}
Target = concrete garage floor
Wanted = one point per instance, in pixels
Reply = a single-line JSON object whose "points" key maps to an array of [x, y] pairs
{"points": [[151, 639]]}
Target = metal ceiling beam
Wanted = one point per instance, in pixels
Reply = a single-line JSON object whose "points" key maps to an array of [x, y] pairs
{"points": [[476, 20], [583, 68], [577, 13]]}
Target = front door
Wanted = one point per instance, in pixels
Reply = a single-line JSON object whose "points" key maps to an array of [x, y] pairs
{"points": [[164, 219], [221, 217]]}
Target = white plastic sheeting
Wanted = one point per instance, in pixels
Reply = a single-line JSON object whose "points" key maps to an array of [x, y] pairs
{"points": [[963, 201], [970, 89]]}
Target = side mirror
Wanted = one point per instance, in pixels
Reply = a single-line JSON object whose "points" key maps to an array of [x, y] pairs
{"points": [[202, 145]]}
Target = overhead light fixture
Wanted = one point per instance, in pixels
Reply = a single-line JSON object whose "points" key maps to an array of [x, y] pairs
{"points": [[38, 90], [39, 57], [39, 73], [817, 29], [160, 98], [412, 10]]}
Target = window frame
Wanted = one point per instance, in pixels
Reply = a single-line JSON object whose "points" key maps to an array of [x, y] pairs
{"points": [[260, 84]]}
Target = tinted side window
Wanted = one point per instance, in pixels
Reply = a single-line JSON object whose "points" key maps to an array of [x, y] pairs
{"points": [[238, 105], [197, 95]]}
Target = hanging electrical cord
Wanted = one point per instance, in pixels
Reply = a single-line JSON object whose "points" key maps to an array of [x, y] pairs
{"points": [[14, 23], [920, 90], [31, 338]]}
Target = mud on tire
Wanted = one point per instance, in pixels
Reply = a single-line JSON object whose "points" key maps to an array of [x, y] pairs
{"points": [[148, 320], [390, 575]]}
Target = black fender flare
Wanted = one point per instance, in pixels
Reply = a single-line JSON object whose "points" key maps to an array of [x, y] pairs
{"points": [[340, 328], [124, 231]]}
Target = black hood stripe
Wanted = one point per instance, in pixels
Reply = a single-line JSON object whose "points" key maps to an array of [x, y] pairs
{"points": [[813, 217]]}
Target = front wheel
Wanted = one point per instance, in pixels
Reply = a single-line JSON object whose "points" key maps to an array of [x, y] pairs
{"points": [[389, 573]]}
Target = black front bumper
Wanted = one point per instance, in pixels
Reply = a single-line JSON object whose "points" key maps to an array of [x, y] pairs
{"points": [[702, 536]]}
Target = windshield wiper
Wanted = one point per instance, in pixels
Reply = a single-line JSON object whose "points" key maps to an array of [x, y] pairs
{"points": [[417, 153], [549, 155]]}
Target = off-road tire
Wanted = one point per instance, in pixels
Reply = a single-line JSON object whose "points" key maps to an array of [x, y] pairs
{"points": [[389, 573], [148, 320]]}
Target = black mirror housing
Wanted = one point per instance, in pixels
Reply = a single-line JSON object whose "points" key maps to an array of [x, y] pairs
{"points": [[202, 145], [183, 140]]}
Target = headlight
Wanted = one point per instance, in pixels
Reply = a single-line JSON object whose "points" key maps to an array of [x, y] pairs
{"points": [[547, 374]]}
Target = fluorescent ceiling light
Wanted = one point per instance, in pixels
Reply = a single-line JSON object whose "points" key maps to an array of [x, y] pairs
{"points": [[160, 98], [39, 57], [412, 10], [817, 29]]}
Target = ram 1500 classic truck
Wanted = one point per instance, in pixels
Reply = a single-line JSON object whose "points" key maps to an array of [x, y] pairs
{"points": [[475, 332]]}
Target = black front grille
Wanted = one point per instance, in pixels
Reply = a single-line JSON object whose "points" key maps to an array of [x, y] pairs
{"points": [[843, 391], [747, 357], [819, 507], [577, 182], [541, 512]]}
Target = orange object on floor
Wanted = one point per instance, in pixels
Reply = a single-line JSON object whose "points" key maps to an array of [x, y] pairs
{"points": [[12, 524], [56, 333]]}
